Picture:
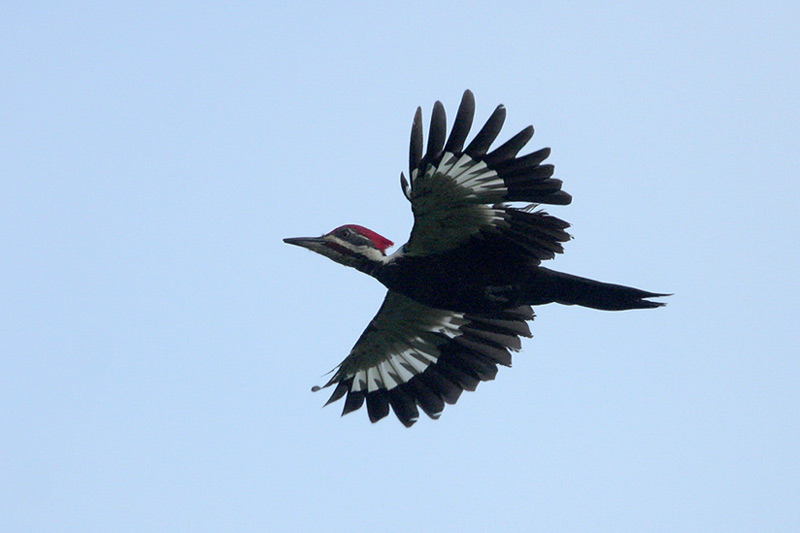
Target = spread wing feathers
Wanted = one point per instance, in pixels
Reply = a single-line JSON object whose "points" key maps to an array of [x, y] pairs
{"points": [[457, 192], [412, 356], [535, 234]]}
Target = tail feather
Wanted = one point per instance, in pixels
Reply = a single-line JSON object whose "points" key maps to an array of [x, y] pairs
{"points": [[548, 286]]}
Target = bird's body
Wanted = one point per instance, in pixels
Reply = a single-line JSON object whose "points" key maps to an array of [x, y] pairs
{"points": [[462, 287], [492, 281]]}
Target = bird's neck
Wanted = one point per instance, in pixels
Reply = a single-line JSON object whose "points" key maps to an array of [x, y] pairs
{"points": [[368, 266]]}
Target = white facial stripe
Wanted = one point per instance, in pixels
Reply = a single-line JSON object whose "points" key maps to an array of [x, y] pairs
{"points": [[340, 253], [372, 253]]}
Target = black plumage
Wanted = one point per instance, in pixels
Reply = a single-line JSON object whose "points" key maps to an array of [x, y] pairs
{"points": [[462, 287]]}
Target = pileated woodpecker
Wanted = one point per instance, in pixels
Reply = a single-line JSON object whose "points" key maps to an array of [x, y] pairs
{"points": [[461, 289]]}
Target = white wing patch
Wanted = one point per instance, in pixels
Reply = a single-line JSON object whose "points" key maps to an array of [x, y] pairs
{"points": [[452, 202], [403, 341], [481, 182], [412, 355]]}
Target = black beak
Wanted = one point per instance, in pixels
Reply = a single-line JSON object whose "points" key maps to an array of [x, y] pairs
{"points": [[304, 242]]}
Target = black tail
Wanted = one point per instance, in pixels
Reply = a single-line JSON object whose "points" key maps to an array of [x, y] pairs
{"points": [[548, 286]]}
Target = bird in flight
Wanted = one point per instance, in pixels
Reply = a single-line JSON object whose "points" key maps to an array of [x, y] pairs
{"points": [[460, 290]]}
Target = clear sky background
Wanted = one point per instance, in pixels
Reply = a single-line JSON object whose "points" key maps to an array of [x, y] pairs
{"points": [[158, 341]]}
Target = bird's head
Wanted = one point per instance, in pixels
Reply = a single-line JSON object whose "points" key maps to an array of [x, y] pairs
{"points": [[350, 245]]}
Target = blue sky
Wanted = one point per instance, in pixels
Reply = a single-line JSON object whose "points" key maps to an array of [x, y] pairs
{"points": [[159, 341]]}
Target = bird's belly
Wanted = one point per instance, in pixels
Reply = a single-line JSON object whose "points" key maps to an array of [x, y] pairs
{"points": [[454, 287]]}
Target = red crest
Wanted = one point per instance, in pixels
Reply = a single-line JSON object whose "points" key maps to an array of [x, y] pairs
{"points": [[380, 242]]}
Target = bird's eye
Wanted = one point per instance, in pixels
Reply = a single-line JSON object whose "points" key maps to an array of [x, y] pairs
{"points": [[345, 233]]}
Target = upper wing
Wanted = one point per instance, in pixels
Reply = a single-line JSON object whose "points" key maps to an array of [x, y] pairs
{"points": [[457, 194], [412, 355]]}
